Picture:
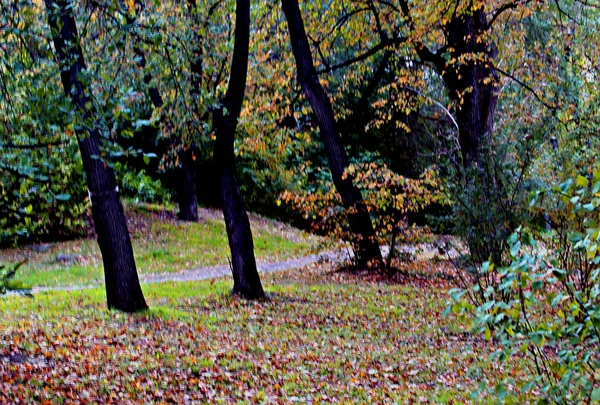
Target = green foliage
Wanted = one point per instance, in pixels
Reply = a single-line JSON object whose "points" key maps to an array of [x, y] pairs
{"points": [[546, 303], [139, 186], [42, 192], [7, 282]]}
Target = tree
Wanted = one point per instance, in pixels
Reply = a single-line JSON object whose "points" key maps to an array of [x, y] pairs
{"points": [[123, 291], [457, 39], [472, 82], [245, 274], [364, 244], [188, 204]]}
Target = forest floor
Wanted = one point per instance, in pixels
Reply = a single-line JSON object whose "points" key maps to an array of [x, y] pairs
{"points": [[162, 244], [323, 336]]}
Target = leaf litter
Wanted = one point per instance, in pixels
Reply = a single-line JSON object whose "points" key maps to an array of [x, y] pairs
{"points": [[324, 336]]}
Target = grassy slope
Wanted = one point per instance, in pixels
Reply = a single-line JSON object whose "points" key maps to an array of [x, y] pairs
{"points": [[161, 245], [322, 338]]}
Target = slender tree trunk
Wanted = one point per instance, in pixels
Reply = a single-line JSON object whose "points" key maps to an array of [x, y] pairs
{"points": [[245, 275], [123, 291], [364, 244], [188, 203]]}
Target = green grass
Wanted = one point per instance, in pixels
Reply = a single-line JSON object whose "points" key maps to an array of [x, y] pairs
{"points": [[314, 341], [161, 245]]}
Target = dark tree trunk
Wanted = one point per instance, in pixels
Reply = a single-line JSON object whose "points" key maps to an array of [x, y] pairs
{"points": [[471, 82], [188, 203], [123, 291], [472, 87], [364, 244], [245, 275]]}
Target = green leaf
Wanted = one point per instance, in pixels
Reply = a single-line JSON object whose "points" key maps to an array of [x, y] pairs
{"points": [[589, 207], [582, 181], [564, 187], [62, 197], [514, 250], [148, 156]]}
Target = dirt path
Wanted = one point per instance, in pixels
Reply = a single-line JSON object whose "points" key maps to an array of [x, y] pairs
{"points": [[424, 251], [208, 272]]}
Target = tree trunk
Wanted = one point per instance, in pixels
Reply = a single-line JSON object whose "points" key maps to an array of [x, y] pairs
{"points": [[123, 291], [364, 241], [472, 87], [245, 275], [188, 204]]}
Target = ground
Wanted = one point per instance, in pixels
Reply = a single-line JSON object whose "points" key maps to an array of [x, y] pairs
{"points": [[323, 336], [161, 244]]}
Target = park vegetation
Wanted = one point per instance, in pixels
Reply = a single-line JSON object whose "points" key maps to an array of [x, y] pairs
{"points": [[368, 122]]}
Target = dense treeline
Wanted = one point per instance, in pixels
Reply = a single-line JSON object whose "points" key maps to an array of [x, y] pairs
{"points": [[416, 89], [395, 100]]}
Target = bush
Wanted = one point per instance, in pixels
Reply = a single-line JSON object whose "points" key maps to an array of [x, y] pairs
{"points": [[551, 313], [42, 194], [6, 280], [140, 186], [389, 197]]}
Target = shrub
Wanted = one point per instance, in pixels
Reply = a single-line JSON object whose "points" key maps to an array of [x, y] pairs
{"points": [[42, 194], [7, 273], [551, 313], [140, 186], [389, 197]]}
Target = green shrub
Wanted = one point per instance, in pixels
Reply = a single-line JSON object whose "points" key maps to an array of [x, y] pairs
{"points": [[7, 273], [42, 194], [140, 186], [552, 314]]}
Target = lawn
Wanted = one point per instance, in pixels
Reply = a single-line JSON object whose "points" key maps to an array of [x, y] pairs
{"points": [[161, 243], [323, 337]]}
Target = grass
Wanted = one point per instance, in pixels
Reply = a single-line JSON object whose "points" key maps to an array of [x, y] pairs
{"points": [[161, 244], [321, 338]]}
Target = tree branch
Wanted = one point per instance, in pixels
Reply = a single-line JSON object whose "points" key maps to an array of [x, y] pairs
{"points": [[380, 46], [527, 87], [31, 146], [505, 7]]}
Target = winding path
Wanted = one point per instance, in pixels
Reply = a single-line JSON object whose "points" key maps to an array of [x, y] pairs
{"points": [[208, 272]]}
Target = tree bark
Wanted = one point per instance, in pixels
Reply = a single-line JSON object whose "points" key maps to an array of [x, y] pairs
{"points": [[123, 291], [188, 203], [364, 243], [471, 81], [472, 86], [245, 274]]}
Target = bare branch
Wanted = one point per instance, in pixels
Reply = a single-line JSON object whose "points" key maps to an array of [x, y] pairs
{"points": [[379, 47], [505, 7]]}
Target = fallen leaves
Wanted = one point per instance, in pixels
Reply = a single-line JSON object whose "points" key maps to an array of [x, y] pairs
{"points": [[354, 340]]}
